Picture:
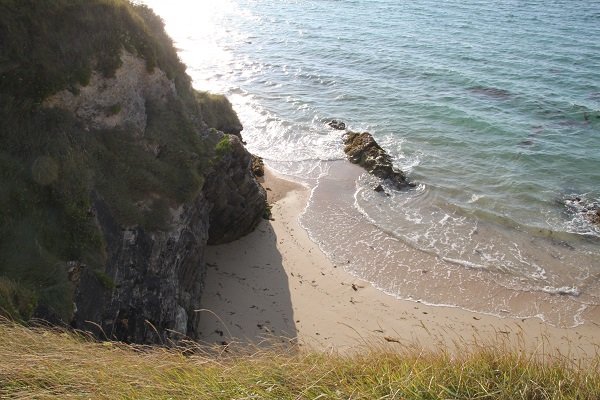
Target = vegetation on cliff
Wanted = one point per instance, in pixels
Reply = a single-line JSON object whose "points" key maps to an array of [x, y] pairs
{"points": [[52, 165], [43, 363], [48, 46], [218, 113]]}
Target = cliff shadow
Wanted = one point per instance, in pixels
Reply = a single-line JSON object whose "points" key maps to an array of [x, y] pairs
{"points": [[246, 297]]}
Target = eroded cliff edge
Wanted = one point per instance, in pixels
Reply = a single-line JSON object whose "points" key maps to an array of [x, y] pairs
{"points": [[112, 182]]}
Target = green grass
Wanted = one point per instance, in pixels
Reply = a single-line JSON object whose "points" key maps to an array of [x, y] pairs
{"points": [[50, 164], [223, 147], [43, 363]]}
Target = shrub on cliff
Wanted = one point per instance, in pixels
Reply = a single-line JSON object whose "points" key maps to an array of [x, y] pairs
{"points": [[218, 113]]}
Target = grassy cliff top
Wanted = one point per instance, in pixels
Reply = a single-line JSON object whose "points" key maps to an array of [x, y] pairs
{"points": [[48, 46], [45, 363]]}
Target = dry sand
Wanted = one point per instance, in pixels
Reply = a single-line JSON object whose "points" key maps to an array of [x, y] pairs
{"points": [[276, 284]]}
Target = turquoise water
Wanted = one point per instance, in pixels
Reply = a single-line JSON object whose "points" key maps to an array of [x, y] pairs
{"points": [[492, 108]]}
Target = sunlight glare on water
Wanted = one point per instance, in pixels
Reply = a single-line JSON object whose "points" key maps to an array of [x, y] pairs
{"points": [[196, 28]]}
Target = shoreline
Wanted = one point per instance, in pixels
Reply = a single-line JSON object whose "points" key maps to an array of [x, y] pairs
{"points": [[277, 285]]}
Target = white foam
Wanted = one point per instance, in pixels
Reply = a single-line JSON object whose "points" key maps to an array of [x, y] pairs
{"points": [[580, 207], [464, 263], [474, 198], [565, 290]]}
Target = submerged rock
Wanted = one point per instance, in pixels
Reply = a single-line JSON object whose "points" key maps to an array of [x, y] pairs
{"points": [[595, 217], [493, 92], [363, 150], [338, 125], [590, 210]]}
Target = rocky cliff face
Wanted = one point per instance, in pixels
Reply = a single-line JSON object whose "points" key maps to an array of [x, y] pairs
{"points": [[155, 277], [238, 200], [119, 101], [113, 181]]}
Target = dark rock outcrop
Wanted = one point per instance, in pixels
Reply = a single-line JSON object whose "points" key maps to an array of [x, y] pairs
{"points": [[237, 200], [338, 125], [595, 217], [258, 166], [588, 209], [152, 282], [363, 150]]}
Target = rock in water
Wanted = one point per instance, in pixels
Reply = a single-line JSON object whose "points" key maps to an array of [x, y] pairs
{"points": [[338, 125], [590, 210], [363, 150], [595, 217]]}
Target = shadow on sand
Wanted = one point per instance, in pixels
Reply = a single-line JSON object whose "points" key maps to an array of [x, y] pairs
{"points": [[246, 297]]}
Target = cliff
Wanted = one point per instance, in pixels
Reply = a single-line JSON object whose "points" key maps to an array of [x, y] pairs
{"points": [[114, 172]]}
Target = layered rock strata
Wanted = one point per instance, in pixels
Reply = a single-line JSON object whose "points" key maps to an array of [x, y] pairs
{"points": [[237, 200]]}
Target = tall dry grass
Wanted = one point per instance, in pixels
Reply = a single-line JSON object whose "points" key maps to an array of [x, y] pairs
{"points": [[38, 363]]}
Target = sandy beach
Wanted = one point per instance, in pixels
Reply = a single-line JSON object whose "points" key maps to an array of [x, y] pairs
{"points": [[276, 284]]}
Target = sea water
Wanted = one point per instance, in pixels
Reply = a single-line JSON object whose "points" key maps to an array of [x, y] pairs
{"points": [[491, 108]]}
